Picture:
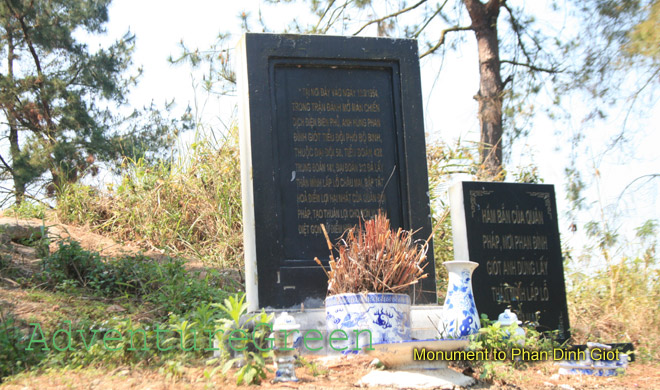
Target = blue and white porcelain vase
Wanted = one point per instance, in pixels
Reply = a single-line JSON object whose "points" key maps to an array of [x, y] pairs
{"points": [[373, 317], [459, 314]]}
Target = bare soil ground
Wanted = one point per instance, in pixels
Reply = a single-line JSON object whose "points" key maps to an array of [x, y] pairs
{"points": [[88, 239], [35, 305], [342, 374]]}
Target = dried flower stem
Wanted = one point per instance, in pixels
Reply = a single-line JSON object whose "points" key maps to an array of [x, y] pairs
{"points": [[373, 258]]}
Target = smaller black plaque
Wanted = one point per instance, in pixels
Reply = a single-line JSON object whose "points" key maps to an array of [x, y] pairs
{"points": [[511, 230]]}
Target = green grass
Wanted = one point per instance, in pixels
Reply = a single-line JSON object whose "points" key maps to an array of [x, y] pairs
{"points": [[80, 286], [27, 209], [165, 284], [13, 341], [71, 305]]}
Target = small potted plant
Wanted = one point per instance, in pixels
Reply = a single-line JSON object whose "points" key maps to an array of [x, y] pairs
{"points": [[368, 283]]}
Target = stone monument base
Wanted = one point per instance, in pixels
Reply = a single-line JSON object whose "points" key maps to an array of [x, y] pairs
{"points": [[443, 378], [424, 320]]}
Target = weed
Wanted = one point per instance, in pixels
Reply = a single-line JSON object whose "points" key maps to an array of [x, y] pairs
{"points": [[90, 346], [312, 367], [10, 271], [39, 241], [14, 358], [80, 203], [5, 262], [494, 337], [618, 304], [179, 291], [73, 266], [193, 329], [253, 362], [73, 303], [618, 300], [254, 370], [173, 369], [132, 275]]}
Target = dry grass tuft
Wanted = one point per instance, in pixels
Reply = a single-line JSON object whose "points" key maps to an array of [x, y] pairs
{"points": [[190, 207], [618, 304]]}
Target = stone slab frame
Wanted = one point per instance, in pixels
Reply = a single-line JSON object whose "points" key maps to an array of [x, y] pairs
{"points": [[280, 267]]}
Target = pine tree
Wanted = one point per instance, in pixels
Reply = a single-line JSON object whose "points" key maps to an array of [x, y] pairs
{"points": [[57, 96]]}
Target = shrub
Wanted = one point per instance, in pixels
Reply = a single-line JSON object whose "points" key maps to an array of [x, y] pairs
{"points": [[180, 291], [82, 204], [494, 337], [252, 361], [27, 209], [617, 298], [166, 284], [72, 265]]}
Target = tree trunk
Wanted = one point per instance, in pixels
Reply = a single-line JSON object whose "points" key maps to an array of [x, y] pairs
{"points": [[484, 24], [14, 147]]}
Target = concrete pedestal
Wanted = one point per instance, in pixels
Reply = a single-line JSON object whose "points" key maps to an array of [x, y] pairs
{"points": [[424, 321]]}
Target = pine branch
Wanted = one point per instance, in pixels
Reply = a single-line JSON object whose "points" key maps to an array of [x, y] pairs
{"points": [[416, 35], [517, 30], [395, 14], [323, 15], [37, 62], [531, 67], [7, 165], [336, 13], [648, 178], [441, 41]]}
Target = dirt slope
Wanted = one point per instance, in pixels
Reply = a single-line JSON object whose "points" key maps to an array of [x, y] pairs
{"points": [[35, 305]]}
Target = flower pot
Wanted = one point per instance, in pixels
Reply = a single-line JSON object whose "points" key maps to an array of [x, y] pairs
{"points": [[459, 317], [372, 317]]}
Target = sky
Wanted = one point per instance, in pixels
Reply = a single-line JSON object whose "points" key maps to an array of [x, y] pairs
{"points": [[450, 110]]}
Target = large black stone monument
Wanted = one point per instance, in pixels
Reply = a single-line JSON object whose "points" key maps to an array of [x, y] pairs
{"points": [[511, 230], [331, 131]]}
